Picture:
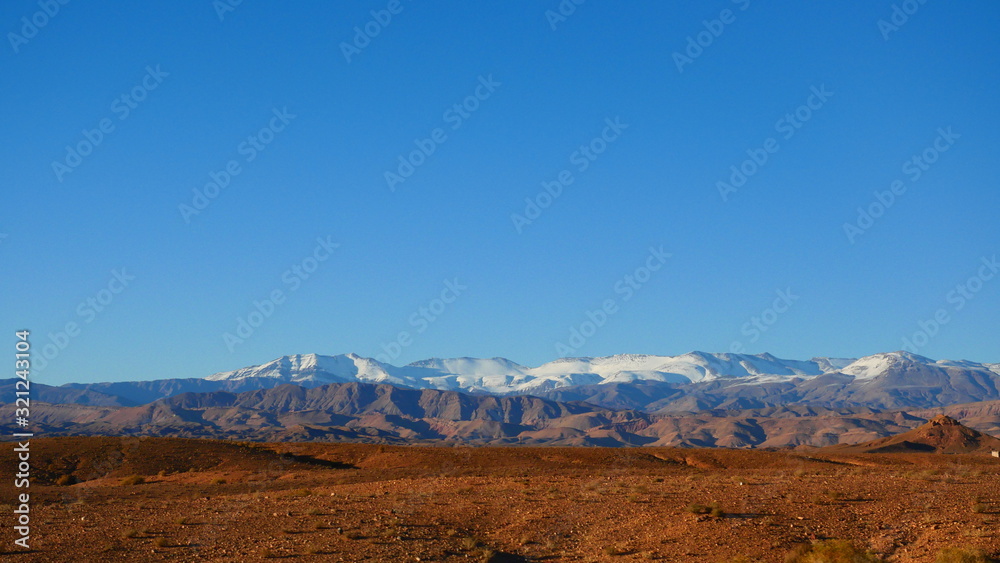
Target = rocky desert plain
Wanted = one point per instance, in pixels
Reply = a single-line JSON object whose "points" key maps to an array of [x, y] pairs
{"points": [[927, 495]]}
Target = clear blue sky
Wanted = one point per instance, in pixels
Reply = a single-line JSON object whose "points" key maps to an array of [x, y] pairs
{"points": [[323, 175]]}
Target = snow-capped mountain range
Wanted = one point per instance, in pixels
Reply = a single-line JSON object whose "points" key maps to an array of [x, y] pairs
{"points": [[695, 399], [692, 382], [503, 377]]}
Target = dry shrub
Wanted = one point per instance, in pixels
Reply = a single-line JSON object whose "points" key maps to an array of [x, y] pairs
{"points": [[962, 555], [831, 551], [712, 509], [133, 480]]}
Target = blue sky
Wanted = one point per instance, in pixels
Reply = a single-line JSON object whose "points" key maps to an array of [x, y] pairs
{"points": [[197, 86]]}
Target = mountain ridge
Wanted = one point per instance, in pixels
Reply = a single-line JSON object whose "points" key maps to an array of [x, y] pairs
{"points": [[685, 383], [383, 413], [695, 380]]}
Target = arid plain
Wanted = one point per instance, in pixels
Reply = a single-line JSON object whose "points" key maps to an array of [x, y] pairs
{"points": [[169, 499]]}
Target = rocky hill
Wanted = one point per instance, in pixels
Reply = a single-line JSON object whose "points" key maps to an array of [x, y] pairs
{"points": [[941, 434]]}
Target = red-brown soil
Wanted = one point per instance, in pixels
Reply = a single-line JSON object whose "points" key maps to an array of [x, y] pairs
{"points": [[229, 501]]}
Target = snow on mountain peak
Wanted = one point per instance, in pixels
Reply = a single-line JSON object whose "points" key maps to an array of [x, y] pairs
{"points": [[502, 376], [458, 366], [877, 364], [310, 367]]}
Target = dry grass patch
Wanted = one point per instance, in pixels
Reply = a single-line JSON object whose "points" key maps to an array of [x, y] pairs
{"points": [[831, 551], [963, 555], [133, 480]]}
